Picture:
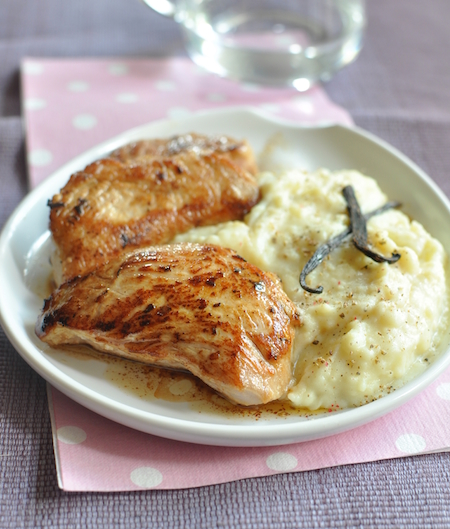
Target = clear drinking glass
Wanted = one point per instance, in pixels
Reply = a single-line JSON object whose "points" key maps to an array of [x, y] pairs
{"points": [[271, 42]]}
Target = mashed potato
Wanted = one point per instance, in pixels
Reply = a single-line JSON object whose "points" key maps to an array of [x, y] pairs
{"points": [[374, 325]]}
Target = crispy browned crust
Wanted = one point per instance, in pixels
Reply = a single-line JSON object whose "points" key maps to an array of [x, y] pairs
{"points": [[239, 152], [183, 306], [112, 205]]}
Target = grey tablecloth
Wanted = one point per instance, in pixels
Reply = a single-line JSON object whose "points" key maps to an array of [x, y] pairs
{"points": [[399, 89]]}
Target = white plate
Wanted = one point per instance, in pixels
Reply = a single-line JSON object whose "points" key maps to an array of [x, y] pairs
{"points": [[25, 237]]}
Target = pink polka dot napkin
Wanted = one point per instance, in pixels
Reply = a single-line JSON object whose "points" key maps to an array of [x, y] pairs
{"points": [[72, 105]]}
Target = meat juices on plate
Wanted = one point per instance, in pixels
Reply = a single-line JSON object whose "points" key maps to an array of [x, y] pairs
{"points": [[200, 308]]}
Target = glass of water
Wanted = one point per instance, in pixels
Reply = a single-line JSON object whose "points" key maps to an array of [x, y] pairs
{"points": [[271, 42]]}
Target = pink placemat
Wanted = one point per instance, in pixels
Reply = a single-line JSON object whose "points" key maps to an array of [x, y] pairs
{"points": [[70, 106]]}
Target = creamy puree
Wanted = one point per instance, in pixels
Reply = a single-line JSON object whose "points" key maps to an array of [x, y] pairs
{"points": [[374, 325]]}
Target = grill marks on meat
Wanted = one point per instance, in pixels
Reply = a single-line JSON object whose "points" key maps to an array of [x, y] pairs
{"points": [[185, 306], [132, 200]]}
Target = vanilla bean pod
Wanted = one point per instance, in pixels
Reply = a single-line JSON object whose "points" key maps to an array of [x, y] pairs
{"points": [[326, 248], [359, 229]]}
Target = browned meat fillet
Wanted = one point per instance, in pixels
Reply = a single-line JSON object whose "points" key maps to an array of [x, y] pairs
{"points": [[184, 306], [238, 151], [113, 205]]}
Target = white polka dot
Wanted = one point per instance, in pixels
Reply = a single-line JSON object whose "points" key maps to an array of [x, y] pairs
{"points": [[281, 461], [33, 68], [146, 477], [302, 84], [181, 387], [443, 391], [40, 157], [295, 48], [71, 435], [178, 112], [127, 97], [216, 98], [165, 86], [118, 69], [78, 86], [34, 103], [84, 121], [411, 443]]}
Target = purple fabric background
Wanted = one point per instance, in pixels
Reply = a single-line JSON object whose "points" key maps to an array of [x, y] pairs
{"points": [[399, 88]]}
